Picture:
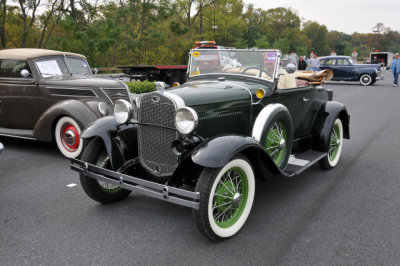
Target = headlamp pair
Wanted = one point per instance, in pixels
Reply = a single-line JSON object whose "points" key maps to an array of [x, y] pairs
{"points": [[186, 118]]}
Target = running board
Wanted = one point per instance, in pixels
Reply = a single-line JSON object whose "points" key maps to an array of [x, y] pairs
{"points": [[300, 162], [17, 133]]}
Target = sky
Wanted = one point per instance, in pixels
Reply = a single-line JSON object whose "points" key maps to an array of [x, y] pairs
{"points": [[347, 16]]}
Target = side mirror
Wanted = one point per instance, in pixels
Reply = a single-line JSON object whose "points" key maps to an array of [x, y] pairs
{"points": [[25, 73], [290, 68]]}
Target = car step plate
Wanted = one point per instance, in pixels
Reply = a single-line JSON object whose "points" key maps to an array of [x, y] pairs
{"points": [[301, 161]]}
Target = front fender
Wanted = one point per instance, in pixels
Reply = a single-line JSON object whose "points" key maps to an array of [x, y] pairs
{"points": [[323, 124], [82, 112], [120, 144], [219, 151]]}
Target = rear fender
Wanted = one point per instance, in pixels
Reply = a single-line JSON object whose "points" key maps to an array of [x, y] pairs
{"points": [[323, 124], [120, 144], [219, 151], [84, 113]]}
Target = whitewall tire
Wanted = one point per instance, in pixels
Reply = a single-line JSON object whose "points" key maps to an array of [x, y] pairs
{"points": [[67, 135], [226, 198]]}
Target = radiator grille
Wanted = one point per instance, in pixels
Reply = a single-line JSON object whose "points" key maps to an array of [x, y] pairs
{"points": [[156, 138], [116, 94]]}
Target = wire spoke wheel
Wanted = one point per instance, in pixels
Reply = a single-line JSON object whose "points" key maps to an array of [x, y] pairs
{"points": [[334, 146], [276, 141], [230, 197], [226, 198], [334, 143]]}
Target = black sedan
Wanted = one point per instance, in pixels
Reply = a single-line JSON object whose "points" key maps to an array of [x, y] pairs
{"points": [[344, 68]]}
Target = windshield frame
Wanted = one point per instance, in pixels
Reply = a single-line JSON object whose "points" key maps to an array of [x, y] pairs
{"points": [[192, 57]]}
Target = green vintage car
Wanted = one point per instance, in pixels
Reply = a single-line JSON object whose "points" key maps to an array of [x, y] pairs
{"points": [[204, 143]]}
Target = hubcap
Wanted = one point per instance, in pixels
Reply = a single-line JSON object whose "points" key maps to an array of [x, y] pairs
{"points": [[276, 142], [282, 144], [236, 199], [230, 197], [69, 136]]}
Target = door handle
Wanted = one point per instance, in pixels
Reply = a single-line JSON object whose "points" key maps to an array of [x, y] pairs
{"points": [[305, 99]]}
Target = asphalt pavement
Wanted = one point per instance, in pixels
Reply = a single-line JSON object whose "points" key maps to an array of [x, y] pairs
{"points": [[349, 215]]}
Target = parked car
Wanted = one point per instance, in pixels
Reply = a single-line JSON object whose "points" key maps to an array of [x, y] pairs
{"points": [[344, 68], [50, 95], [202, 144]]}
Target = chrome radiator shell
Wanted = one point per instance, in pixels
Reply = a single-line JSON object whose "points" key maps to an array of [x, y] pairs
{"points": [[156, 132]]}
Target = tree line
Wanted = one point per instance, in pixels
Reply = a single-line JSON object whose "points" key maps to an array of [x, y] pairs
{"points": [[125, 32]]}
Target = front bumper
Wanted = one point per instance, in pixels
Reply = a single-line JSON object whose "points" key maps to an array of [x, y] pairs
{"points": [[159, 191]]}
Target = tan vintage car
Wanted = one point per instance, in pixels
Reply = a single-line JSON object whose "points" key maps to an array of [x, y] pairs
{"points": [[50, 95]]}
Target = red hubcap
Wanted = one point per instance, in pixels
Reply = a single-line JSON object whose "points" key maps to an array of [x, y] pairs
{"points": [[69, 137]]}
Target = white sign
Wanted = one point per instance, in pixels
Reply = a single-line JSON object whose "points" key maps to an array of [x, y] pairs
{"points": [[49, 68]]}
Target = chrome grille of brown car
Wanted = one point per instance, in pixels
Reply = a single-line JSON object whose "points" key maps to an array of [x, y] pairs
{"points": [[116, 94], [155, 138]]}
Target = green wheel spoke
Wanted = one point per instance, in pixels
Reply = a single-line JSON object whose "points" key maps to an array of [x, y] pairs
{"points": [[226, 187], [224, 204], [219, 195], [273, 147], [217, 218], [230, 179]]}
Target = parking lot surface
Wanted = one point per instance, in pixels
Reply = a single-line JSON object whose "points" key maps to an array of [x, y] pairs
{"points": [[346, 216]]}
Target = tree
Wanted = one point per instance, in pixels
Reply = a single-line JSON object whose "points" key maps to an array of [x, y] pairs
{"points": [[28, 12], [3, 15], [318, 37]]}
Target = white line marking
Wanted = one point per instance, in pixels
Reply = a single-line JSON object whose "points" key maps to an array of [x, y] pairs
{"points": [[71, 185]]}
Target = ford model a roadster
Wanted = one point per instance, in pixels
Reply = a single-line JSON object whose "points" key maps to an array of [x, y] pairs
{"points": [[202, 144]]}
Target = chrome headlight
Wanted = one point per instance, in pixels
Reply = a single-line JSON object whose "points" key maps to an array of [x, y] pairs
{"points": [[186, 120], [122, 111]]}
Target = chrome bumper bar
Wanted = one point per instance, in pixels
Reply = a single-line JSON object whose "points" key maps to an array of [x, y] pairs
{"points": [[152, 189]]}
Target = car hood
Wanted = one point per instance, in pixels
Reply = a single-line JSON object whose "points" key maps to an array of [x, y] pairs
{"points": [[85, 82], [208, 92]]}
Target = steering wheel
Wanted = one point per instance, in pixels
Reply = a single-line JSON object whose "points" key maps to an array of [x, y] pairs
{"points": [[260, 69]]}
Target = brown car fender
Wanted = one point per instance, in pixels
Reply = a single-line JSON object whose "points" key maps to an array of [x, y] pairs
{"points": [[324, 121], [83, 113]]}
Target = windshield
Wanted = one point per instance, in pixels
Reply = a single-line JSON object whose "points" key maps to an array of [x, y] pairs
{"points": [[63, 67], [261, 64]]}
